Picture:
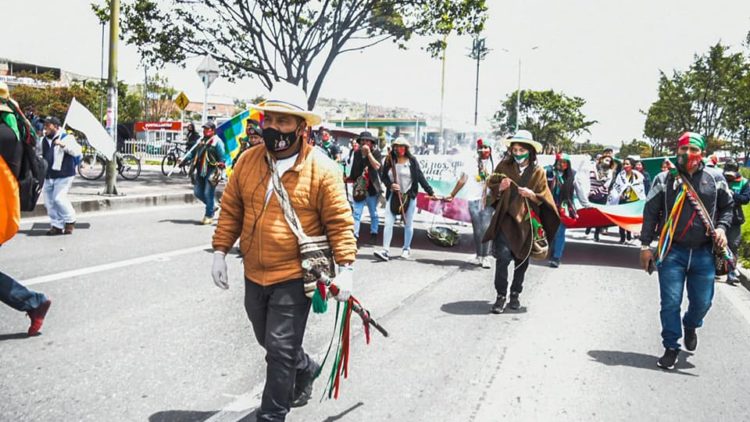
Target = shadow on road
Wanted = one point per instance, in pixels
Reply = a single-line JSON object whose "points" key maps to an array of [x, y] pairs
{"points": [[467, 307], [597, 254], [14, 336], [445, 262], [420, 240], [344, 413], [191, 416], [40, 229], [640, 360], [184, 222]]}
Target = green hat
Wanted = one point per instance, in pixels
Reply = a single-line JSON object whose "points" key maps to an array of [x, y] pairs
{"points": [[692, 138]]}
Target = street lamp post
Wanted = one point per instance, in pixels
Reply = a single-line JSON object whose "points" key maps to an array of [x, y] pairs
{"points": [[518, 90], [208, 70], [478, 52]]}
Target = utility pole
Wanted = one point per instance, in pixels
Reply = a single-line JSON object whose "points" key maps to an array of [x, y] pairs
{"points": [[101, 78], [441, 142], [114, 29], [478, 52], [518, 96]]}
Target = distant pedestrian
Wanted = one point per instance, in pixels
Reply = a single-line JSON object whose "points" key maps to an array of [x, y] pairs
{"points": [[328, 143], [600, 180], [402, 178], [207, 161], [63, 154], [646, 177], [365, 175], [565, 189], [277, 293], [523, 205], [12, 125], [628, 187], [684, 256], [192, 136], [741, 196], [253, 137], [474, 179]]}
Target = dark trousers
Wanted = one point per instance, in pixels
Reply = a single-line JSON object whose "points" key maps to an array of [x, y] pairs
{"points": [[17, 296], [734, 236], [278, 314], [504, 257]]}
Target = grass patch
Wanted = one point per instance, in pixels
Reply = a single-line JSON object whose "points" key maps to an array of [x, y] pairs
{"points": [[744, 249]]}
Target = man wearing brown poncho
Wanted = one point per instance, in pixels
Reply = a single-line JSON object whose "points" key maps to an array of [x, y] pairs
{"points": [[517, 181]]}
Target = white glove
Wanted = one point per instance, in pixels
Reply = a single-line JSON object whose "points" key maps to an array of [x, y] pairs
{"points": [[345, 282], [219, 270]]}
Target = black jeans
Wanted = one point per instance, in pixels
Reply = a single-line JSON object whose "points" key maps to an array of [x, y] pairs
{"points": [[278, 314], [504, 256]]}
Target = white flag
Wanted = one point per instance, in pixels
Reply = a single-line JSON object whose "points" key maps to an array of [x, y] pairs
{"points": [[81, 119]]}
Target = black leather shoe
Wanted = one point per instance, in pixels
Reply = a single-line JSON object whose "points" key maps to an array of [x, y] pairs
{"points": [[499, 305], [303, 386], [668, 360], [691, 339]]}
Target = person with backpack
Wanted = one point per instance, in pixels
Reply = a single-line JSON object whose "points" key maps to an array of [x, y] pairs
{"points": [[525, 219], [402, 178], [365, 174], [62, 153], [12, 123], [741, 196], [207, 160]]}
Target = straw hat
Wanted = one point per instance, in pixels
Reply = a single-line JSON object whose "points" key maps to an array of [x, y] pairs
{"points": [[401, 141], [524, 137], [288, 99], [5, 95]]}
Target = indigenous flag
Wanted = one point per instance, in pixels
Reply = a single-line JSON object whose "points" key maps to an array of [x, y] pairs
{"points": [[628, 216], [232, 131]]}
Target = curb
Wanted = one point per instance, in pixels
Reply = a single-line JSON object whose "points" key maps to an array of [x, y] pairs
{"points": [[744, 276], [101, 203]]}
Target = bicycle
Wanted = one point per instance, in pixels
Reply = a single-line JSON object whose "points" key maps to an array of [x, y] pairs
{"points": [[93, 165], [172, 158]]}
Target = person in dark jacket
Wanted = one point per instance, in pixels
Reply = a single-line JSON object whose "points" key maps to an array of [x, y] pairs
{"points": [[646, 177], [741, 196], [206, 161], [365, 174], [685, 256], [192, 136], [62, 153], [402, 177], [565, 188]]}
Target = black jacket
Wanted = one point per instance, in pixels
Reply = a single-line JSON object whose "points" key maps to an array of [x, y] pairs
{"points": [[358, 167], [417, 178], [715, 195], [741, 196]]}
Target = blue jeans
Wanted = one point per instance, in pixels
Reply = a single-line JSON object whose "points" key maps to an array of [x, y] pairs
{"points": [[372, 205], [481, 217], [696, 266], [59, 208], [390, 219], [17, 296], [204, 191], [559, 246]]}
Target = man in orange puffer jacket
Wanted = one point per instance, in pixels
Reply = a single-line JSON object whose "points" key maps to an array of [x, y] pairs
{"points": [[276, 299]]}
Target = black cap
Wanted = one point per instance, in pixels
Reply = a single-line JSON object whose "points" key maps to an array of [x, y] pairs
{"points": [[53, 120], [255, 129], [731, 166], [209, 125], [366, 136]]}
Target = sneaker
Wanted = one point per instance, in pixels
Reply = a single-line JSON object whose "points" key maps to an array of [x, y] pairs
{"points": [[691, 339], [382, 255], [207, 220], [37, 317], [499, 305], [476, 260], [668, 360], [514, 303], [303, 386], [554, 263], [486, 262], [69, 228], [406, 254]]}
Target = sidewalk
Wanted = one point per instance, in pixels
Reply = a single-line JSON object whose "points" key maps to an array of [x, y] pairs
{"points": [[150, 189]]}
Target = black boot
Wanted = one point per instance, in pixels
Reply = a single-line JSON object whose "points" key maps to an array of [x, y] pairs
{"points": [[514, 303], [303, 385], [691, 339]]}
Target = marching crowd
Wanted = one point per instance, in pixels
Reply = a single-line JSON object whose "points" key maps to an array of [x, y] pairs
{"points": [[285, 204]]}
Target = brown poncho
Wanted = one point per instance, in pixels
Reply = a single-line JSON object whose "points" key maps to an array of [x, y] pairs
{"points": [[510, 209]]}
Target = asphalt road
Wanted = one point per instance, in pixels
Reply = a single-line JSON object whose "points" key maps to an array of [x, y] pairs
{"points": [[137, 331]]}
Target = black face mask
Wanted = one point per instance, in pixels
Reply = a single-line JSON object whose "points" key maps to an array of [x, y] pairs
{"points": [[279, 141]]}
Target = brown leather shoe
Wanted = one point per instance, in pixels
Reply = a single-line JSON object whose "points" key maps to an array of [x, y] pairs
{"points": [[54, 231], [69, 228]]}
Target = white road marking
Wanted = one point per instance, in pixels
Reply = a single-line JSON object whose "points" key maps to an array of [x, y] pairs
{"points": [[83, 217], [112, 265]]}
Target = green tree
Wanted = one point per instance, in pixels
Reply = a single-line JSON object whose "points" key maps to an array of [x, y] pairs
{"points": [[553, 118], [635, 147], [292, 40], [160, 99], [697, 99]]}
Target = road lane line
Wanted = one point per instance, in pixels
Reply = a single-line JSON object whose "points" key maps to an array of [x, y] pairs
{"points": [[112, 265], [83, 217]]}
